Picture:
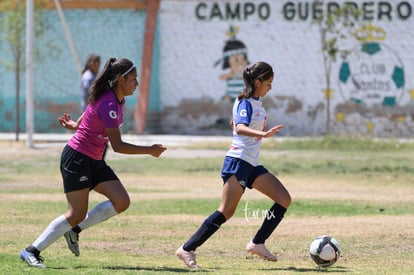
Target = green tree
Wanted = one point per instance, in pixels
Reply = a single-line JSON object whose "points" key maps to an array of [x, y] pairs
{"points": [[13, 33], [335, 26]]}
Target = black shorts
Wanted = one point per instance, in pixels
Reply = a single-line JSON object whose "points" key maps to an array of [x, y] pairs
{"points": [[80, 171], [245, 173]]}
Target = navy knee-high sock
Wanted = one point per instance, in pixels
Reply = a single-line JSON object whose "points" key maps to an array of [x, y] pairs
{"points": [[271, 221], [208, 228]]}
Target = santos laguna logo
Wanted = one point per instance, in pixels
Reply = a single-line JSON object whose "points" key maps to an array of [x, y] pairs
{"points": [[372, 74]]}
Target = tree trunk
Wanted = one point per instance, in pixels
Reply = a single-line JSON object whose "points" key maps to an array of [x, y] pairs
{"points": [[17, 107], [328, 99]]}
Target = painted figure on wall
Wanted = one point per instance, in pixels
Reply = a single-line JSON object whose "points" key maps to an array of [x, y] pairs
{"points": [[234, 60]]}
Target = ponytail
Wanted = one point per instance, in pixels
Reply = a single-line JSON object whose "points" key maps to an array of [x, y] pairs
{"points": [[108, 77]]}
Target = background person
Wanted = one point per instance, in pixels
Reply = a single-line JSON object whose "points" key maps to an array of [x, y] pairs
{"points": [[89, 73]]}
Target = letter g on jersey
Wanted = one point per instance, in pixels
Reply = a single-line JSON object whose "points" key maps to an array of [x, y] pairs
{"points": [[243, 112], [113, 114]]}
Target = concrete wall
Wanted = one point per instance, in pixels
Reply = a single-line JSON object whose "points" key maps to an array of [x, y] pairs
{"points": [[371, 93], [372, 88]]}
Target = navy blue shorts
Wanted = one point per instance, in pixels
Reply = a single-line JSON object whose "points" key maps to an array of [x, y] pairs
{"points": [[80, 171], [245, 173]]}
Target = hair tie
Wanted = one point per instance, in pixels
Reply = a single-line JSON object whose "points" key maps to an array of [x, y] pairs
{"points": [[248, 70]]}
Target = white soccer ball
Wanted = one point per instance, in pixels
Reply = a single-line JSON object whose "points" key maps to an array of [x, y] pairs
{"points": [[325, 251]]}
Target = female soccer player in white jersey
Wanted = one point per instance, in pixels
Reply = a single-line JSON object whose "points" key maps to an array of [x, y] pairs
{"points": [[241, 169], [82, 166]]}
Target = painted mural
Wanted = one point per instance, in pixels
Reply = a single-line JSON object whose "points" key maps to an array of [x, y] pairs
{"points": [[200, 50], [371, 91], [372, 86], [233, 61]]}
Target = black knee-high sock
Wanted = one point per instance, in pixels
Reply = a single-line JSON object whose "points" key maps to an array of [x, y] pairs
{"points": [[271, 221], [208, 228]]}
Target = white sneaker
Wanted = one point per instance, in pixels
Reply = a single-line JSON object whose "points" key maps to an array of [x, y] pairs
{"points": [[188, 257], [261, 251], [32, 259], [72, 239]]}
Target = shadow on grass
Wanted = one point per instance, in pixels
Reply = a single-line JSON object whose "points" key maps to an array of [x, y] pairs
{"points": [[133, 268], [336, 269], [154, 269]]}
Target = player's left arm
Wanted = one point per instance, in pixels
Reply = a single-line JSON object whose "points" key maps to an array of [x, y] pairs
{"points": [[119, 146], [66, 121]]}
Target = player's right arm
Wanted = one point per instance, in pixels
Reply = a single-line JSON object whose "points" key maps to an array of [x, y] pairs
{"points": [[243, 129]]}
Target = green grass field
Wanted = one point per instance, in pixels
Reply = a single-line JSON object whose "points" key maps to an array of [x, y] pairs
{"points": [[359, 191]]}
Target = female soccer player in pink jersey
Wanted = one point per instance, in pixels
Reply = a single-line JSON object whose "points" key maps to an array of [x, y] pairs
{"points": [[82, 165], [241, 168]]}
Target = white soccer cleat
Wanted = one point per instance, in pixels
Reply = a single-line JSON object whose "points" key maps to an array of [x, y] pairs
{"points": [[188, 257], [32, 259], [72, 239], [261, 251]]}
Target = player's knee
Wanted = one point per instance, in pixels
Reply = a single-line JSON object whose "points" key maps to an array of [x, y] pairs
{"points": [[122, 204], [227, 213], [75, 218], [286, 200]]}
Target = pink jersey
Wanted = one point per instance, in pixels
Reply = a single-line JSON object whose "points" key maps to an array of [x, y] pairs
{"points": [[91, 139]]}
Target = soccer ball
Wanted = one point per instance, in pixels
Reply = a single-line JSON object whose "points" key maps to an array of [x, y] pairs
{"points": [[324, 251]]}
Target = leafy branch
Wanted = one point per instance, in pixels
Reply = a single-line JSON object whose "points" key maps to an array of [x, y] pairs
{"points": [[338, 25], [13, 32]]}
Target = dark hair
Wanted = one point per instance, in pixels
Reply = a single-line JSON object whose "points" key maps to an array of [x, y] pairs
{"points": [[91, 57], [107, 78], [258, 71]]}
